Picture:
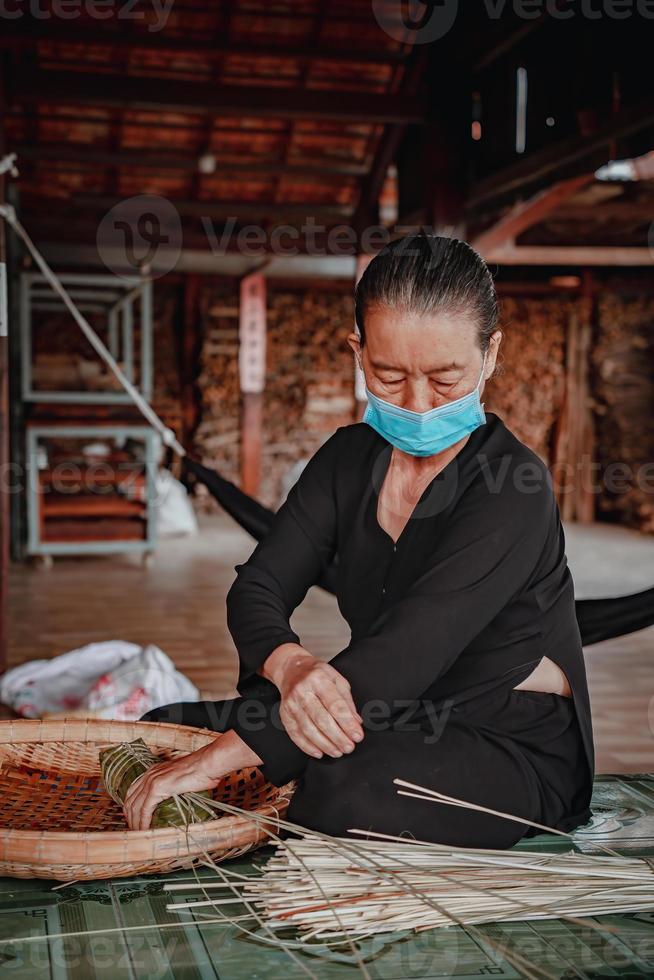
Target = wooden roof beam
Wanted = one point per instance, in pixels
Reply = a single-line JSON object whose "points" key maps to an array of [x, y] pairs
{"points": [[25, 32], [171, 95], [240, 210], [90, 155], [568, 255]]}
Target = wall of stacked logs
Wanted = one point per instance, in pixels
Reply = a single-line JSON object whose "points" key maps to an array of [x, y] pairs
{"points": [[623, 386], [575, 381], [309, 381]]}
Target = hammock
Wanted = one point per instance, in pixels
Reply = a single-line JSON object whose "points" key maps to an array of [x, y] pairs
{"points": [[598, 619]]}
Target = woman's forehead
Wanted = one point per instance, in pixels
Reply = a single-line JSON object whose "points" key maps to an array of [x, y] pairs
{"points": [[445, 339]]}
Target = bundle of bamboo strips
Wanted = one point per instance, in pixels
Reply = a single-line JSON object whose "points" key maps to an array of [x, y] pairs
{"points": [[387, 886], [333, 888]]}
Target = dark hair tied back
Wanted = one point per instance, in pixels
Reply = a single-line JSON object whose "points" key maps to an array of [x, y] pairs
{"points": [[424, 274]]}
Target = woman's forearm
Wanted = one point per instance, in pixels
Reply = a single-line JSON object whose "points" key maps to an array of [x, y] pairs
{"points": [[230, 752]]}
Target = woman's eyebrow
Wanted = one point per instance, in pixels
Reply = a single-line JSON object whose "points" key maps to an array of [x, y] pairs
{"points": [[452, 366], [385, 367]]}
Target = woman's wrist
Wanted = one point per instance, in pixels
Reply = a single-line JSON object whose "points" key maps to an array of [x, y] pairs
{"points": [[227, 753], [283, 657]]}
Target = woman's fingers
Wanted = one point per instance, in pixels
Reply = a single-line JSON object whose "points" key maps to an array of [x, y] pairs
{"points": [[334, 717], [143, 797], [194, 772], [324, 726], [303, 713], [341, 711], [344, 687], [336, 696], [325, 720], [296, 733], [318, 710]]}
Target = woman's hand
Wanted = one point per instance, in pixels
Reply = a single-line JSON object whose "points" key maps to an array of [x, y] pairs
{"points": [[200, 770], [316, 709]]}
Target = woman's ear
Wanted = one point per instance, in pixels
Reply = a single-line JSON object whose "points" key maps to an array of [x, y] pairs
{"points": [[493, 348], [353, 341]]}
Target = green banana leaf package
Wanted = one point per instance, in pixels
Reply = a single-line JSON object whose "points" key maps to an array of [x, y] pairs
{"points": [[122, 764]]}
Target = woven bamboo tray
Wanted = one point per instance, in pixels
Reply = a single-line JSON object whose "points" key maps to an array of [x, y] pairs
{"points": [[57, 821]]}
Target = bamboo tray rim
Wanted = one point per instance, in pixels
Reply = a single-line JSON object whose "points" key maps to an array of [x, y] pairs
{"points": [[157, 833], [25, 726]]}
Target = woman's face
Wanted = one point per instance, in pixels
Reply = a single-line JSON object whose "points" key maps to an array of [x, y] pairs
{"points": [[421, 362]]}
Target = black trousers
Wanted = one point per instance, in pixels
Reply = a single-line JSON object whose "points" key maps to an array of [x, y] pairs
{"points": [[520, 752]]}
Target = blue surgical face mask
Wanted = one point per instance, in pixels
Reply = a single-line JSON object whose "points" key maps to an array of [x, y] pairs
{"points": [[426, 433]]}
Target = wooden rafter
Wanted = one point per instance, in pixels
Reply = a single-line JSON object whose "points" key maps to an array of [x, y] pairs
{"points": [[583, 255], [525, 214], [574, 150]]}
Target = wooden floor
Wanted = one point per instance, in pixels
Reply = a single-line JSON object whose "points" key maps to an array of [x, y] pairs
{"points": [[179, 604]]}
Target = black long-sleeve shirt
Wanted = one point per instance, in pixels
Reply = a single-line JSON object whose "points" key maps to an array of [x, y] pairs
{"points": [[473, 594]]}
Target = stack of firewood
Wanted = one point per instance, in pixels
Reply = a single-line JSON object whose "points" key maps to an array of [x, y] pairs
{"points": [[217, 437], [623, 367], [310, 378], [527, 389]]}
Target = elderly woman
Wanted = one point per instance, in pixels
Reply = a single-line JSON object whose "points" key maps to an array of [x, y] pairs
{"points": [[464, 671]]}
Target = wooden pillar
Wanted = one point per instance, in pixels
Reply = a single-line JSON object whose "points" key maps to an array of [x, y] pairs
{"points": [[586, 498], [189, 349], [4, 409], [252, 429], [252, 375]]}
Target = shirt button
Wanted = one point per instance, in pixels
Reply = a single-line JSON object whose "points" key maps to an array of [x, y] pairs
{"points": [[394, 547], [384, 591]]}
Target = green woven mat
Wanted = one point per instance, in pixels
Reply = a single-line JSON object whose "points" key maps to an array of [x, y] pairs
{"points": [[623, 818]]}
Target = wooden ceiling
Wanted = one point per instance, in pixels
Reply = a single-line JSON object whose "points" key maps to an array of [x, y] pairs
{"points": [[301, 105]]}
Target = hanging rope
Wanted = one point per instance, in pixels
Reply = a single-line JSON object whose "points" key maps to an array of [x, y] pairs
{"points": [[168, 436]]}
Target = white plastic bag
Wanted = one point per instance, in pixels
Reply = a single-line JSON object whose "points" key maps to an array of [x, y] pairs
{"points": [[175, 514], [113, 679]]}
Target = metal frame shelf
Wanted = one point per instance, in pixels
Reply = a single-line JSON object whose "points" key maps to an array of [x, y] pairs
{"points": [[116, 298], [35, 546]]}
